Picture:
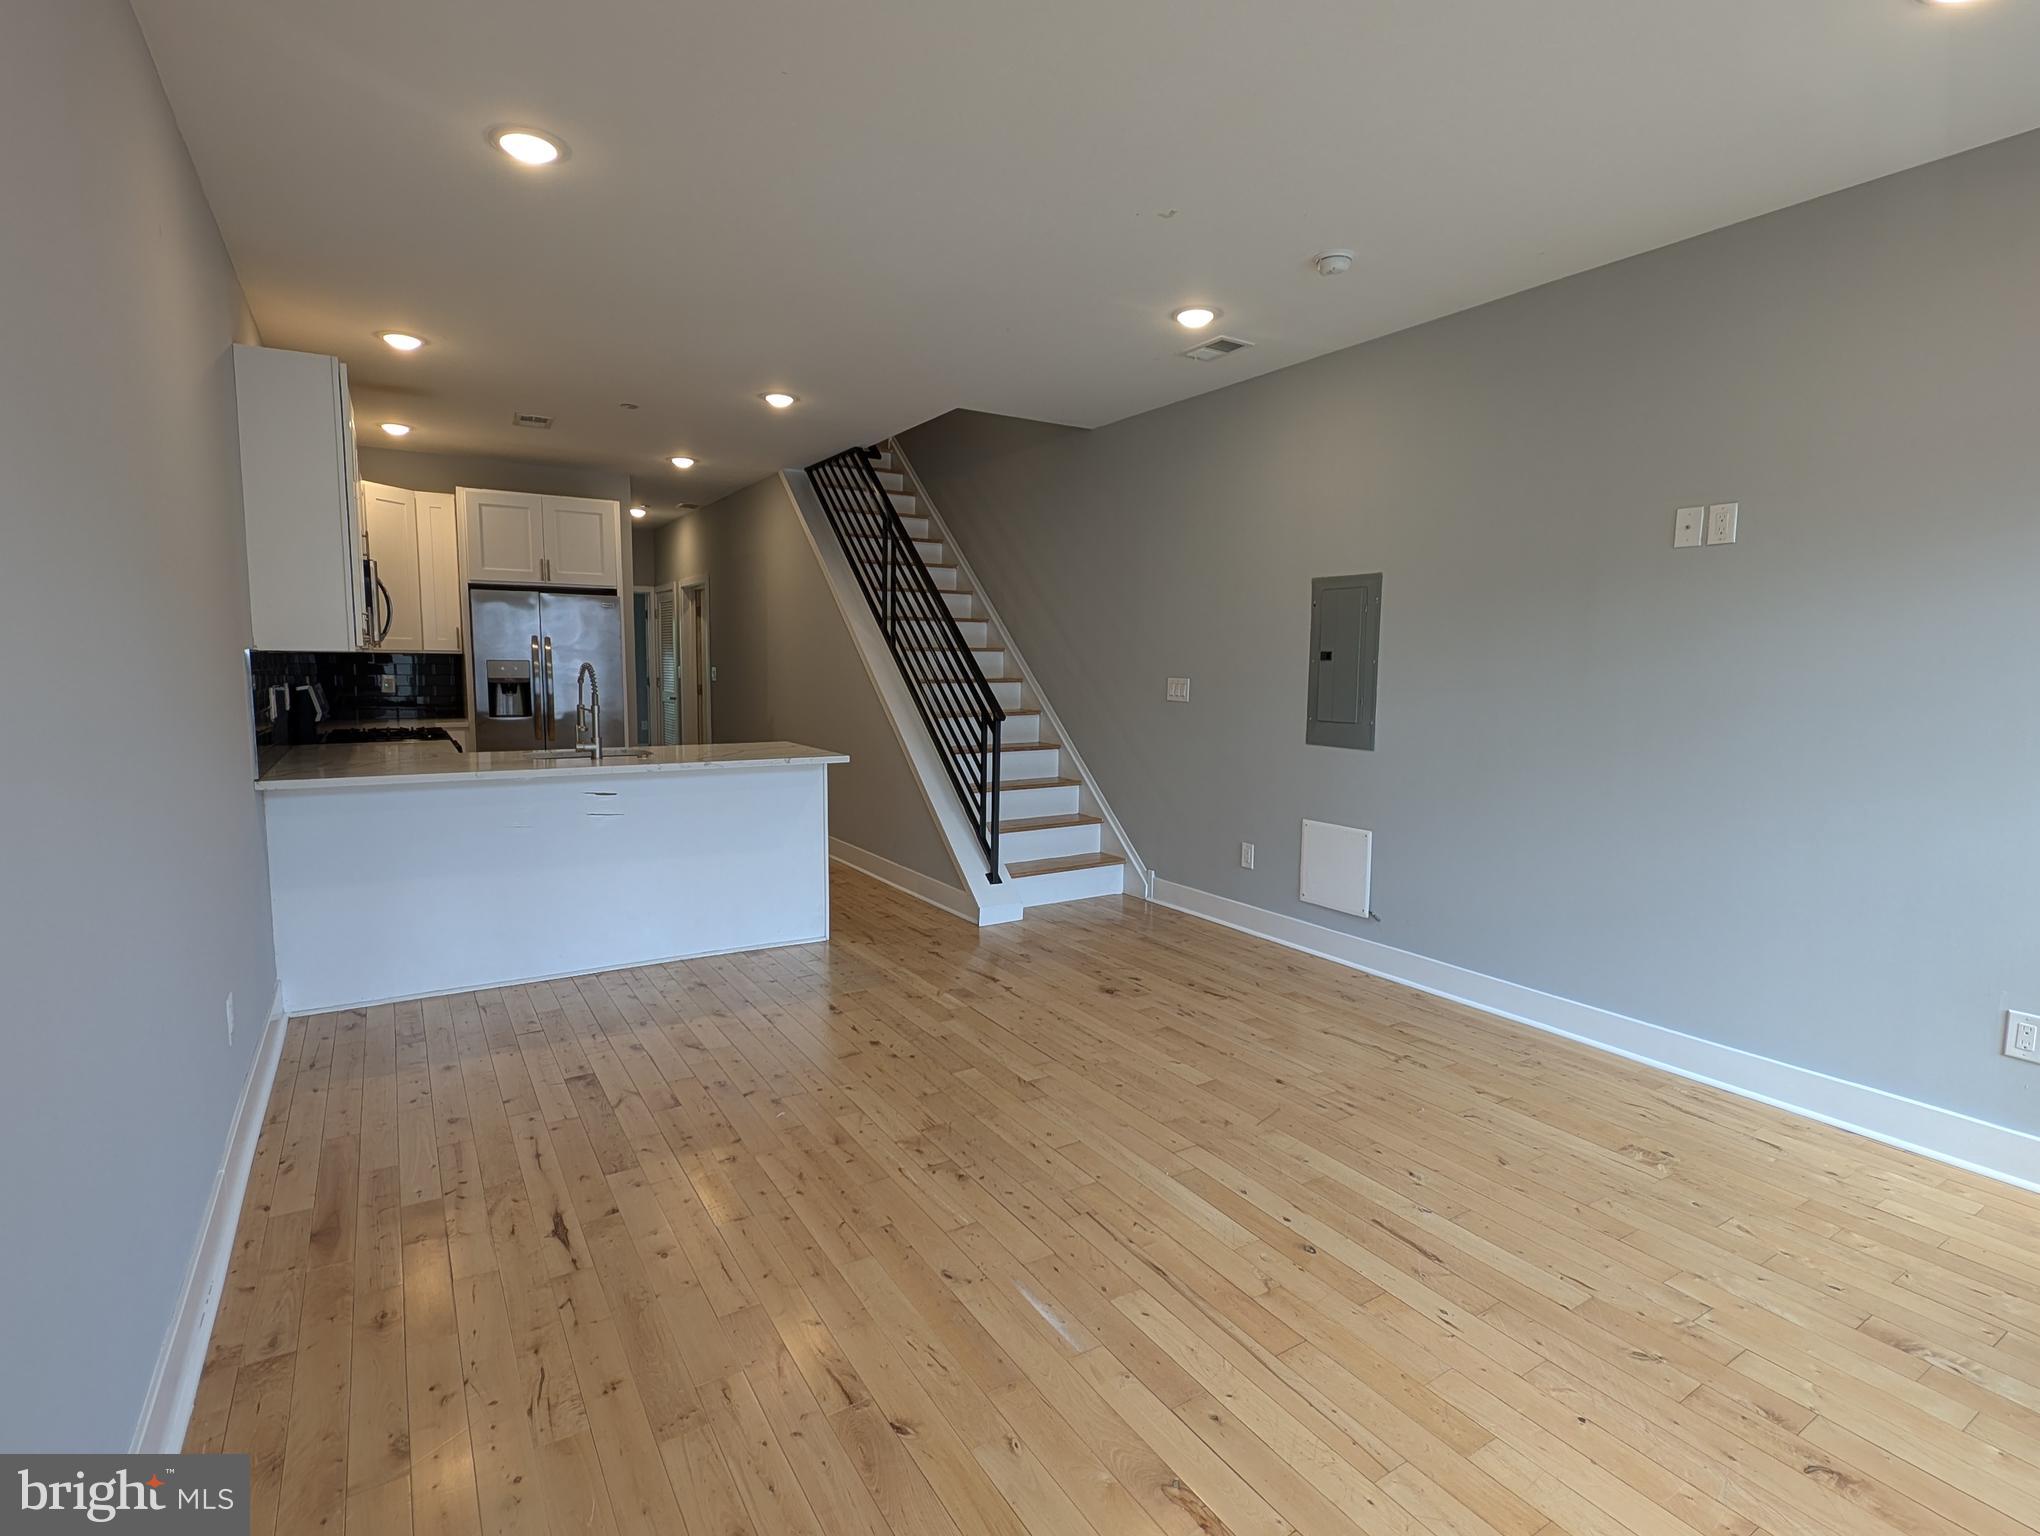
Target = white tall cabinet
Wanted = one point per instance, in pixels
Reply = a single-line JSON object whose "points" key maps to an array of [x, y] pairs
{"points": [[300, 501]]}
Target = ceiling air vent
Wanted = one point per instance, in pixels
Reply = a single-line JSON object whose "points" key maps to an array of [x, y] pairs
{"points": [[1215, 348], [529, 419]]}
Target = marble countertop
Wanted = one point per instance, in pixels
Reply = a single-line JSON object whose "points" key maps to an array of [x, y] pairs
{"points": [[379, 765]]}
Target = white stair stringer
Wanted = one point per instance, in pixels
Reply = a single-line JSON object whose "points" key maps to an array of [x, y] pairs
{"points": [[1058, 840]]}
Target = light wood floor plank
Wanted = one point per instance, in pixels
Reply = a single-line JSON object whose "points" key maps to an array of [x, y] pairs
{"points": [[1109, 1223]]}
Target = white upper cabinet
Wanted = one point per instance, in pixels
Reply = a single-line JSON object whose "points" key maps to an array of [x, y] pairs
{"points": [[299, 501], [413, 568], [525, 540], [389, 516], [580, 541], [439, 571], [505, 535]]}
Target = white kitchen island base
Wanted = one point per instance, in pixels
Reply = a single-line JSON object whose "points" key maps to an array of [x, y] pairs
{"points": [[395, 884]]}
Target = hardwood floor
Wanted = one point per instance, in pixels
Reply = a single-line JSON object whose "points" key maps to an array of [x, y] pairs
{"points": [[1109, 1222]]}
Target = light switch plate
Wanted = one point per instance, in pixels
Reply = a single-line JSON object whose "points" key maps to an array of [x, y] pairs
{"points": [[1246, 855], [1688, 527], [2022, 1035], [1179, 690], [1721, 521]]}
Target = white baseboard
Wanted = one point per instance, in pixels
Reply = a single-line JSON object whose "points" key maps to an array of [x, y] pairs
{"points": [[166, 1410], [911, 882], [1945, 1135]]}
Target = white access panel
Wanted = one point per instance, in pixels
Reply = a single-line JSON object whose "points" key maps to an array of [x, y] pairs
{"points": [[1338, 868]]}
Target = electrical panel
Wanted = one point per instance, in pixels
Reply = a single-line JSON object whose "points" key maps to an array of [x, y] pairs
{"points": [[1345, 644]]}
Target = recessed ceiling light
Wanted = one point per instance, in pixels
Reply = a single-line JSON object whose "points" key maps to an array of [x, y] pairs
{"points": [[1195, 318], [401, 341], [396, 429], [637, 511], [681, 461], [527, 146], [779, 399]]}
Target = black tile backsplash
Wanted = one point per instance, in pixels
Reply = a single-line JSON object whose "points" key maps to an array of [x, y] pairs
{"points": [[421, 687]]}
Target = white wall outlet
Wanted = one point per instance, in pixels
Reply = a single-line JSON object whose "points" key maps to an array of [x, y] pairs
{"points": [[1721, 521], [230, 1018], [2022, 1035], [1179, 690], [1688, 527], [1246, 855]]}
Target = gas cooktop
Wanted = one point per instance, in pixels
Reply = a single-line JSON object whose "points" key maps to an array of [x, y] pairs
{"points": [[357, 735]]}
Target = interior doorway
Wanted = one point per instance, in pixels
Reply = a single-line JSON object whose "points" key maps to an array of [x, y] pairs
{"points": [[696, 670]]}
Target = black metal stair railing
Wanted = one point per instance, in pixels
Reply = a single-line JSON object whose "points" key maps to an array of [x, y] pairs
{"points": [[956, 703]]}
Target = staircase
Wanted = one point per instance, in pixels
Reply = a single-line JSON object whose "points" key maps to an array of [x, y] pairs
{"points": [[1041, 833]]}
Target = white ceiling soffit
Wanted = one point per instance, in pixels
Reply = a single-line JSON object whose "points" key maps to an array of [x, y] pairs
{"points": [[899, 207]]}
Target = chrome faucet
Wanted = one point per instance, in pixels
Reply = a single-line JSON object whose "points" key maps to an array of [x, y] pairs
{"points": [[588, 712]]}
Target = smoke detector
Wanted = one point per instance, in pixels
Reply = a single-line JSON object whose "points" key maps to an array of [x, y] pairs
{"points": [[1332, 263], [1215, 348]]}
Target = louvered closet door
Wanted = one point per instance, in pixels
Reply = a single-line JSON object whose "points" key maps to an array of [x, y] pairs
{"points": [[665, 621]]}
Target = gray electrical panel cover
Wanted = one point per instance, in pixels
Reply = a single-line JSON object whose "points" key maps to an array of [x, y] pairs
{"points": [[1345, 643]]}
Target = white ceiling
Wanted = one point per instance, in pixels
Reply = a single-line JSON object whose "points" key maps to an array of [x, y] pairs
{"points": [[898, 207]]}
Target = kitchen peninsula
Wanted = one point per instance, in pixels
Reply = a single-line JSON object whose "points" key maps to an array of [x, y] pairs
{"points": [[402, 871]]}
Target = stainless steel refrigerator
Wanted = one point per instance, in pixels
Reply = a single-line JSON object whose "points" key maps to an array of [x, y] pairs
{"points": [[528, 648]]}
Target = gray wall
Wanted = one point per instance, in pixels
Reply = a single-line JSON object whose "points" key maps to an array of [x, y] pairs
{"points": [[787, 668], [412, 470], [416, 470], [1780, 795], [136, 893]]}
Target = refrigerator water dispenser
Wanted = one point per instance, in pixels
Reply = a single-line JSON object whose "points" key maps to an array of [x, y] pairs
{"points": [[509, 690]]}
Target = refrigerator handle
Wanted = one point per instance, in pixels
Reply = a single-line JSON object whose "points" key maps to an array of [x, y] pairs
{"points": [[548, 686], [537, 696]]}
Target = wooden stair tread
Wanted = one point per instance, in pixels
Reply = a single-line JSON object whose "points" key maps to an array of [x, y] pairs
{"points": [[1055, 783], [1050, 823], [1026, 867]]}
